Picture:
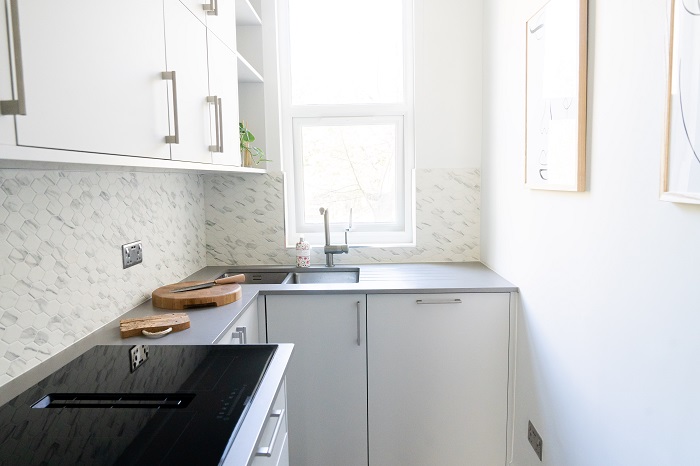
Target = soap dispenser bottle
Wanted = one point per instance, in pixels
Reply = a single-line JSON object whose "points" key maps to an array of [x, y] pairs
{"points": [[303, 253]]}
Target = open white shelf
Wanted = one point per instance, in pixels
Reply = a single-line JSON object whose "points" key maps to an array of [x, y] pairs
{"points": [[246, 72], [246, 14]]}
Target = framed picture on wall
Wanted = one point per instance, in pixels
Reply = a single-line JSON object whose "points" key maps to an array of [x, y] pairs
{"points": [[555, 148], [680, 171]]}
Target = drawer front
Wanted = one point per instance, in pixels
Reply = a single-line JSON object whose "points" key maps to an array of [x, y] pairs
{"points": [[272, 449]]}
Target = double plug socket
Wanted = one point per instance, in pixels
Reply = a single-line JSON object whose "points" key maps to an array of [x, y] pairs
{"points": [[132, 254]]}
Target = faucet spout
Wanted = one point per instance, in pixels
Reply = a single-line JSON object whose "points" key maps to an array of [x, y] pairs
{"points": [[330, 249], [326, 224]]}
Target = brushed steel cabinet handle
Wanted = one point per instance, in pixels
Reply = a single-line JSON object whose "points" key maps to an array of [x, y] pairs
{"points": [[359, 330], [221, 125], [212, 8], [241, 334], [439, 301], [17, 106], [267, 451], [218, 124], [172, 76]]}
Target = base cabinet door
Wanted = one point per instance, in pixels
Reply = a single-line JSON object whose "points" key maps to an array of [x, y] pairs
{"points": [[245, 330], [327, 376], [438, 379]]}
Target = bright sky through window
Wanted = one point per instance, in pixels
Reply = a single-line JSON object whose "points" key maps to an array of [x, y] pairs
{"points": [[346, 52]]}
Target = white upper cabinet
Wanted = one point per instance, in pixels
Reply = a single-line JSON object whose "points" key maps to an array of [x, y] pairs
{"points": [[223, 88], [219, 16], [92, 76], [7, 75], [102, 83], [221, 20], [187, 59]]}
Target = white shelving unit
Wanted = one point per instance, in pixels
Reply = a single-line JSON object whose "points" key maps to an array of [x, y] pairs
{"points": [[250, 47]]}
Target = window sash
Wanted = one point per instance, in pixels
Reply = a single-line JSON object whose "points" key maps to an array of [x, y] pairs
{"points": [[400, 177], [292, 116]]}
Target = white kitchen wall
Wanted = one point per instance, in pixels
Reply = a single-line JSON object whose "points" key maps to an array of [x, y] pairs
{"points": [[608, 348], [448, 83], [61, 233], [245, 221]]}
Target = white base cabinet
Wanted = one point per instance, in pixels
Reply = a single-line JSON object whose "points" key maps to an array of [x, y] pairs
{"points": [[244, 330], [438, 378], [327, 375], [410, 379]]}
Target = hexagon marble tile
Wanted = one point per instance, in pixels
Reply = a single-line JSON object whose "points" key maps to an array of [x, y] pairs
{"points": [[61, 233], [245, 221]]}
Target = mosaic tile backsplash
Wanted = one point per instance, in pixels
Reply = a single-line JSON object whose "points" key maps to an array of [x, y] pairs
{"points": [[245, 221], [61, 233]]}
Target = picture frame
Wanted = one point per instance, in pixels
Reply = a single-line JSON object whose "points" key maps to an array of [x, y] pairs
{"points": [[556, 85], [680, 168]]}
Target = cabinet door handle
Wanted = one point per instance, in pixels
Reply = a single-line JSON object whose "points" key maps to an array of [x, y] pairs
{"points": [[172, 76], [221, 124], [218, 123], [212, 8], [439, 301], [241, 334], [267, 451], [17, 106], [359, 331]]}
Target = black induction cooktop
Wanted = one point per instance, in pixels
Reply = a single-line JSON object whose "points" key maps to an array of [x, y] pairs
{"points": [[182, 406]]}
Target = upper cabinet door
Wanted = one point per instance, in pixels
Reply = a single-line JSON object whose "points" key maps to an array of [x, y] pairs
{"points": [[187, 58], [7, 120], [221, 20], [93, 77], [223, 88], [218, 15]]}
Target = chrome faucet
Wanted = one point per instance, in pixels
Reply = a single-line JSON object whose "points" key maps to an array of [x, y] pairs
{"points": [[330, 249]]}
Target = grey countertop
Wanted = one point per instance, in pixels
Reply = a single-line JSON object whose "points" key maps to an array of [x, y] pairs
{"points": [[209, 324]]}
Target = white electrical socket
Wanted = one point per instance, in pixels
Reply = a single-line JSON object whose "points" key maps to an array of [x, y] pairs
{"points": [[137, 355], [132, 254]]}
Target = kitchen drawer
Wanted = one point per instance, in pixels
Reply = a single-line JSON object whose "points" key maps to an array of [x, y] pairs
{"points": [[272, 449]]}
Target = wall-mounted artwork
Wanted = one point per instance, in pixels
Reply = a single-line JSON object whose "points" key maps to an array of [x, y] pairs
{"points": [[555, 156], [680, 180]]}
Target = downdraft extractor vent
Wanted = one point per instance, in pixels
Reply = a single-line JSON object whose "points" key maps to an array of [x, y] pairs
{"points": [[115, 400]]}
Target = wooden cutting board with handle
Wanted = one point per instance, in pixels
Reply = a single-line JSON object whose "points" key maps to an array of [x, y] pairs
{"points": [[166, 298], [154, 324]]}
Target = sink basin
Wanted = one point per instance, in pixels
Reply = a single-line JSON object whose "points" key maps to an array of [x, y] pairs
{"points": [[295, 276], [324, 276], [258, 277]]}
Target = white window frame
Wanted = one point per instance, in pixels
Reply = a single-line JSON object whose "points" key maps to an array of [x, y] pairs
{"points": [[293, 117]]}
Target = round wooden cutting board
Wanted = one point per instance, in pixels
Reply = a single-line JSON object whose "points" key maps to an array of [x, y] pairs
{"points": [[217, 295]]}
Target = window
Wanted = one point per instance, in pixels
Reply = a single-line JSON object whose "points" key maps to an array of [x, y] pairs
{"points": [[347, 119]]}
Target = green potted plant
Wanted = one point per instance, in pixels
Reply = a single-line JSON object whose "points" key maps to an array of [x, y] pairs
{"points": [[251, 155]]}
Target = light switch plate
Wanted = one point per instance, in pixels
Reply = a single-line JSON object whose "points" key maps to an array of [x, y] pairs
{"points": [[132, 254]]}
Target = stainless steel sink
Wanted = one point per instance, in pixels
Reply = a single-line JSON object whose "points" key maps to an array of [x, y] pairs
{"points": [[266, 277], [276, 275], [329, 275]]}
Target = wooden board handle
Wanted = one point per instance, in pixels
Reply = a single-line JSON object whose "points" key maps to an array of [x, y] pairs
{"points": [[240, 278]]}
